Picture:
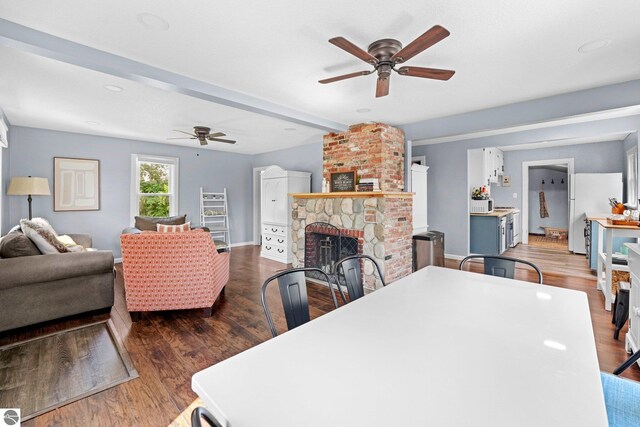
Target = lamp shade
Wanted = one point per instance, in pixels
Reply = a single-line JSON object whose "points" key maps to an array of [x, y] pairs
{"points": [[27, 185]]}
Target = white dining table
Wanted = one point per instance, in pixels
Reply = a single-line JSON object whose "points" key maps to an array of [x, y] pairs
{"points": [[439, 347]]}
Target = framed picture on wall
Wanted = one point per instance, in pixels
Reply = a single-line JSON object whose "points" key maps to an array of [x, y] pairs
{"points": [[76, 184]]}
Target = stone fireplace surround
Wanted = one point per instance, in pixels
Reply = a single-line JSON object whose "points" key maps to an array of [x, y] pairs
{"points": [[380, 220]]}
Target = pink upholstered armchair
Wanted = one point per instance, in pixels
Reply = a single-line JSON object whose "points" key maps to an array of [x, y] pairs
{"points": [[172, 271]]}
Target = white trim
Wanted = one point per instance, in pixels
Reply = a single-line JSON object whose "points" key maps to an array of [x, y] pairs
{"points": [[4, 139], [135, 182], [257, 191], [117, 260], [452, 256], [631, 153], [524, 212], [580, 118], [233, 245]]}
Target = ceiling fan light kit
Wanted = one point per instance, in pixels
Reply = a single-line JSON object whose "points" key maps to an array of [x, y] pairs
{"points": [[385, 54], [204, 135]]}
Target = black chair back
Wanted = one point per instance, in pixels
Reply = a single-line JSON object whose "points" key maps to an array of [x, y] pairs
{"points": [[292, 284], [348, 271], [200, 414], [501, 266]]}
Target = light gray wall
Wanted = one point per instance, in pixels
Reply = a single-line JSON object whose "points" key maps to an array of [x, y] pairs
{"points": [[447, 191], [306, 158], [556, 197], [32, 152], [6, 177]]}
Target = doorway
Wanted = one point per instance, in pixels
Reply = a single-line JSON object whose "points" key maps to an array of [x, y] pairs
{"points": [[546, 204]]}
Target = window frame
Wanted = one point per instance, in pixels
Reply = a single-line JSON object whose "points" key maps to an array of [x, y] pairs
{"points": [[136, 160], [631, 169]]}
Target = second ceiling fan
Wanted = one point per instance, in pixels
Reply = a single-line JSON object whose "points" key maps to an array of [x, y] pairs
{"points": [[385, 54]]}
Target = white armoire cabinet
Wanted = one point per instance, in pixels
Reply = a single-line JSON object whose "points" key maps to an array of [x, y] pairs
{"points": [[276, 184]]}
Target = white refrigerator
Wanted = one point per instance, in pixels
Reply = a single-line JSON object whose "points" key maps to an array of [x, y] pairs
{"points": [[589, 192]]}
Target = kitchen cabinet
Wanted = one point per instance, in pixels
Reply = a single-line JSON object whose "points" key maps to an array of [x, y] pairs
{"points": [[486, 165], [632, 339], [276, 184], [488, 234]]}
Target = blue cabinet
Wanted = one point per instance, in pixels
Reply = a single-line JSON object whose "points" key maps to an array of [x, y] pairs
{"points": [[485, 235]]}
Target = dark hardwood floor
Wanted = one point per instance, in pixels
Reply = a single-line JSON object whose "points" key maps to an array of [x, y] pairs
{"points": [[167, 348]]}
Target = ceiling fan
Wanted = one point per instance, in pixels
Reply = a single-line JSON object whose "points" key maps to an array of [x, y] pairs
{"points": [[203, 134], [385, 54]]}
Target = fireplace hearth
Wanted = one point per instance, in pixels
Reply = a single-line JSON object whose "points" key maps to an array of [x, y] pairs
{"points": [[325, 245]]}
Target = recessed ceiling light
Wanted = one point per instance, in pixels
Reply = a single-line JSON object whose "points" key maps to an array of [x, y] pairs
{"points": [[290, 129], [152, 22], [363, 110], [113, 88], [91, 122], [594, 45]]}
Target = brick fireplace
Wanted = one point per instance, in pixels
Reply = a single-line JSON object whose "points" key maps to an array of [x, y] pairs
{"points": [[381, 221]]}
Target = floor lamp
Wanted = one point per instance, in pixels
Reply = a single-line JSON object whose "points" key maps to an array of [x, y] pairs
{"points": [[28, 186]]}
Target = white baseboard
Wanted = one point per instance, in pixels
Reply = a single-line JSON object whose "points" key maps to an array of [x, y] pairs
{"points": [[117, 260], [233, 245], [452, 256]]}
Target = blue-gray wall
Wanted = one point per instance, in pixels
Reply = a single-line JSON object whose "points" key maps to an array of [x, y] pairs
{"points": [[448, 188], [32, 152], [556, 196], [306, 158], [6, 176]]}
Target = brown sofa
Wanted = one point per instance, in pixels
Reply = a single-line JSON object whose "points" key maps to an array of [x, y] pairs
{"points": [[39, 288]]}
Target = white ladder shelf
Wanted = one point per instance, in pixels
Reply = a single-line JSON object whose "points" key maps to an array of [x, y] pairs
{"points": [[214, 214]]}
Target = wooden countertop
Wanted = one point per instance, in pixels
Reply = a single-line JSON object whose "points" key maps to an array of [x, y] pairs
{"points": [[604, 223], [352, 194], [497, 213]]}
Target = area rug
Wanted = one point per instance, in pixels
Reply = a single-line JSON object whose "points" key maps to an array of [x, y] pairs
{"points": [[47, 372]]}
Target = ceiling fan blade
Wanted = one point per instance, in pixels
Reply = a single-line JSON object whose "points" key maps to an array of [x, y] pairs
{"points": [[226, 141], [427, 73], [183, 138], [382, 87], [345, 76], [426, 40], [354, 50], [181, 131], [216, 134]]}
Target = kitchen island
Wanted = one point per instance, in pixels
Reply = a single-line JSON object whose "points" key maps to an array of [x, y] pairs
{"points": [[494, 232]]}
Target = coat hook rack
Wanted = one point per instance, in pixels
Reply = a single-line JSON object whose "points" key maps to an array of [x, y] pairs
{"points": [[543, 182], [562, 181], [552, 181]]}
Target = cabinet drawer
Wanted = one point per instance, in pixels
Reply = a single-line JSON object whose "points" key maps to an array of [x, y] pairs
{"points": [[274, 229], [274, 250], [273, 239]]}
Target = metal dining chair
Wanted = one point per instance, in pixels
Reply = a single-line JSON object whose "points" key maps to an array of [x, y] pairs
{"points": [[200, 413], [348, 272], [293, 291], [501, 266]]}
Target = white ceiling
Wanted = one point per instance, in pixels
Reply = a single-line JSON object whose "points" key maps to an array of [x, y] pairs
{"points": [[503, 52]]}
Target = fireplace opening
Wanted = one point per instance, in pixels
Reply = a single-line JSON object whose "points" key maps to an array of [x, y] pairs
{"points": [[325, 245]]}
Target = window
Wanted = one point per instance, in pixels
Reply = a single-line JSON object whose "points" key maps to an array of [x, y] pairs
{"points": [[632, 176], [154, 185]]}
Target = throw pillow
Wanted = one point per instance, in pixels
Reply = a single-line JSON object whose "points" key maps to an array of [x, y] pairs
{"points": [[148, 223], [16, 244], [70, 244], [162, 228], [46, 242], [45, 224]]}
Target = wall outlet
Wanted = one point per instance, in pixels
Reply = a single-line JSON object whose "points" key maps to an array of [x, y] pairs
{"points": [[515, 195]]}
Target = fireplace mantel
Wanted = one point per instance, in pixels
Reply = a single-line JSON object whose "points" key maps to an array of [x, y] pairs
{"points": [[352, 195]]}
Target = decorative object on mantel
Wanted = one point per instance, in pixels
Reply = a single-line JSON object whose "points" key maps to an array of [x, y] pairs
{"points": [[76, 184], [369, 184], [343, 181], [28, 186]]}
